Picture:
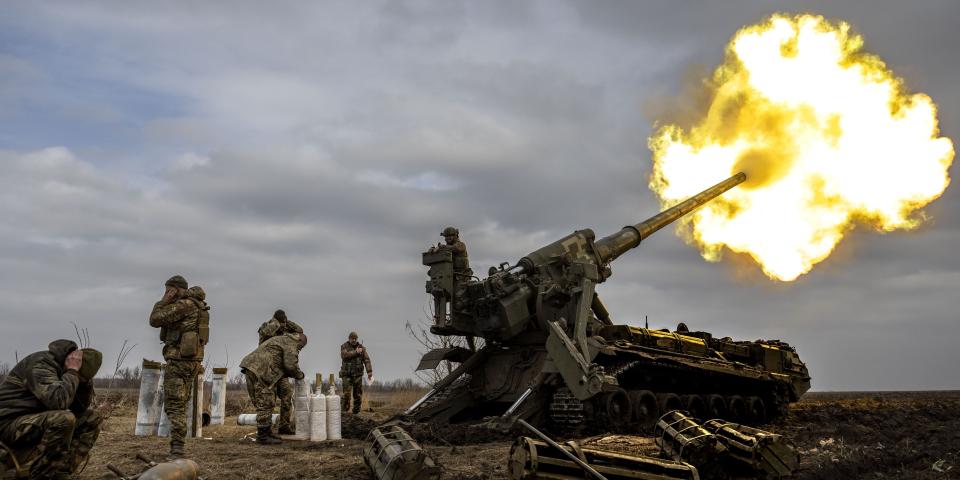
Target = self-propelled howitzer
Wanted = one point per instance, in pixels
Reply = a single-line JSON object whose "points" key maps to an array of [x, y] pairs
{"points": [[552, 352]]}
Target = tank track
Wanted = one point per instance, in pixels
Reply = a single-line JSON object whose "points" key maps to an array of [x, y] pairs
{"points": [[565, 409], [441, 396], [623, 367]]}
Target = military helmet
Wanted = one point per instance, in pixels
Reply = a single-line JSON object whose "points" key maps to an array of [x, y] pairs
{"points": [[176, 281], [450, 232], [353, 336]]}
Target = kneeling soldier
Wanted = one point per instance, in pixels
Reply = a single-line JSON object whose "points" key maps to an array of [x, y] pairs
{"points": [[46, 409], [273, 361]]}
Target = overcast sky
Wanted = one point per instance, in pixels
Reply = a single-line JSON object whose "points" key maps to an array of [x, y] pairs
{"points": [[301, 155]]}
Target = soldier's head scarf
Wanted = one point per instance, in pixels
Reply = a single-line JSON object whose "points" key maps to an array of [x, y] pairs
{"points": [[280, 315], [196, 292], [176, 281], [92, 359], [61, 348]]}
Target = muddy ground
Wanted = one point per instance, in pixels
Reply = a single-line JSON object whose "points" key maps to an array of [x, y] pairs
{"points": [[910, 435]]}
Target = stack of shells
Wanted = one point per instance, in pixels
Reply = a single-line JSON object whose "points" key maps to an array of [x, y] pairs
{"points": [[301, 410], [318, 417], [333, 414]]}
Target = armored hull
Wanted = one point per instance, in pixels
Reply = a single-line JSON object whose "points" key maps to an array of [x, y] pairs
{"points": [[655, 371]]}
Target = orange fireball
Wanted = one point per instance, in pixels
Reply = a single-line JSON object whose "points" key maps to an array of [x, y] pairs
{"points": [[829, 139]]}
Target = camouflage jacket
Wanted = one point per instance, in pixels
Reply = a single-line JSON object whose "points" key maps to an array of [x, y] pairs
{"points": [[353, 362], [461, 260], [40, 382], [188, 313], [274, 359], [273, 327]]}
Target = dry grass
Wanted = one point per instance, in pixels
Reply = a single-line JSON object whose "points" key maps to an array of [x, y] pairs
{"points": [[226, 452], [851, 435], [123, 401]]}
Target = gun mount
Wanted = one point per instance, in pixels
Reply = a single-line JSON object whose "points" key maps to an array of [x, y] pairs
{"points": [[551, 345]]}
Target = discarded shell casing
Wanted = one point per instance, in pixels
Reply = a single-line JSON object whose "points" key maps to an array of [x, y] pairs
{"points": [[394, 455], [218, 396], [182, 469], [148, 411], [684, 440], [195, 408], [763, 454], [533, 459], [251, 419]]}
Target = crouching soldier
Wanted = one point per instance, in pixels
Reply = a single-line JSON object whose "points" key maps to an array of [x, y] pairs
{"points": [[279, 325], [273, 361], [46, 413]]}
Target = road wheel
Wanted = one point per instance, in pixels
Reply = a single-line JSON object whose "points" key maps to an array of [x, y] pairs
{"points": [[756, 411], [645, 409], [694, 406], [617, 408], [716, 407], [736, 408], [668, 402]]}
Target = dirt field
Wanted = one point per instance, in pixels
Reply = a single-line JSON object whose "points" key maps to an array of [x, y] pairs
{"points": [[840, 435]]}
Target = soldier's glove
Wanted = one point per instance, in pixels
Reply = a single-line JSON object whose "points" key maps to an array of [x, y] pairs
{"points": [[298, 376]]}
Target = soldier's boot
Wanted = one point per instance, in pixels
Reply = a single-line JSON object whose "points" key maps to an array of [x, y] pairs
{"points": [[286, 430], [265, 437], [176, 450]]}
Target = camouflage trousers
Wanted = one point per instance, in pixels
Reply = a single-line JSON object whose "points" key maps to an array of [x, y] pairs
{"points": [[55, 441], [352, 388], [284, 392], [179, 377], [262, 395]]}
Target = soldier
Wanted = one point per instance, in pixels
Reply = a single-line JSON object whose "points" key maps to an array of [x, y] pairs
{"points": [[452, 243], [184, 322], [461, 263], [46, 409], [279, 325], [355, 360], [272, 362]]}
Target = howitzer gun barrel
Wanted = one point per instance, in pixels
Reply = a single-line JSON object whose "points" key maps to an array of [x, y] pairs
{"points": [[629, 237]]}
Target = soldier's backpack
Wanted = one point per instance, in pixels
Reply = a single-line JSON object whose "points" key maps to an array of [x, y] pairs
{"points": [[193, 341]]}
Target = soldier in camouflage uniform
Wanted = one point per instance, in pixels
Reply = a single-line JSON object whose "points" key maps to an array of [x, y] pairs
{"points": [[461, 262], [279, 325], [275, 360], [46, 409], [184, 322], [355, 360]]}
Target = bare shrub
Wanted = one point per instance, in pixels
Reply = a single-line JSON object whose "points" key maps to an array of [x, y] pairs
{"points": [[428, 341], [121, 358]]}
